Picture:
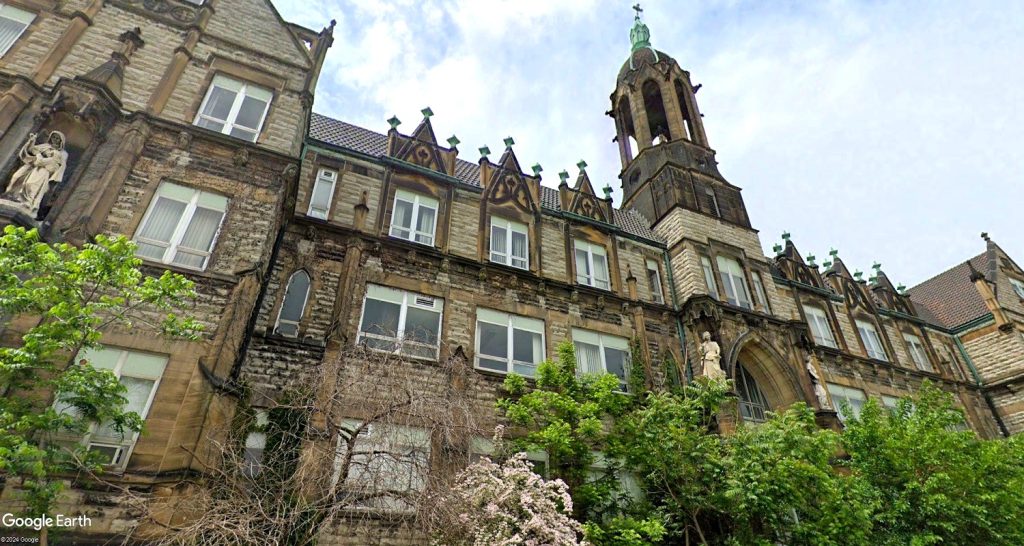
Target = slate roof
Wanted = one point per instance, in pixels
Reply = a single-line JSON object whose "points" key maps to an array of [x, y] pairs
{"points": [[345, 135], [950, 298]]}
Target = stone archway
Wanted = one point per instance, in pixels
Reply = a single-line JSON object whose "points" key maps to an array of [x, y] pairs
{"points": [[758, 369]]}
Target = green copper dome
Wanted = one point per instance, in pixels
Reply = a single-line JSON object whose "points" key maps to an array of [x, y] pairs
{"points": [[641, 53]]}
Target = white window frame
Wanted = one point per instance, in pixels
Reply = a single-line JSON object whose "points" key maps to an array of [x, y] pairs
{"points": [[172, 247], [603, 341], [507, 258], [284, 300], [841, 393], [325, 176], [388, 454], [510, 323], [872, 341], [404, 299], [654, 280], [417, 201], [734, 281], [709, 276], [123, 449], [918, 353], [759, 292], [821, 328], [1018, 287], [588, 276], [226, 82], [17, 15]]}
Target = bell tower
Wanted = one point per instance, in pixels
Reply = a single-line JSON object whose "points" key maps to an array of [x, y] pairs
{"points": [[666, 158]]}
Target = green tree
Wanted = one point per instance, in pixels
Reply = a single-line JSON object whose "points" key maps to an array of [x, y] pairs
{"points": [[933, 483], [64, 297]]}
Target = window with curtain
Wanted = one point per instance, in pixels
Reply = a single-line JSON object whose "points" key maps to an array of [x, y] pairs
{"points": [[322, 195], [509, 243], [602, 353], [759, 293], [709, 276], [820, 328], [180, 226], [591, 265], [733, 282], [414, 217], [293, 305], [388, 465], [137, 372], [13, 22], [401, 322], [847, 401], [654, 281], [917, 353], [873, 343], [753, 404], [234, 107], [508, 343]]}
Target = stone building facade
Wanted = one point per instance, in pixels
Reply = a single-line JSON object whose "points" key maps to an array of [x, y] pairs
{"points": [[182, 130], [333, 235]]}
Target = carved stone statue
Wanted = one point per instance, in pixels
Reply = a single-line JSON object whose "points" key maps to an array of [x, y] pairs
{"points": [[711, 356], [819, 389], [42, 163]]}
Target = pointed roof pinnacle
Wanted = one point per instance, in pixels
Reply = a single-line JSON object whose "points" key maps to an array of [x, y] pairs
{"points": [[639, 35]]}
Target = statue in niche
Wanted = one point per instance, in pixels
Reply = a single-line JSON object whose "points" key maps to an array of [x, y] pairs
{"points": [[711, 356], [819, 389], [42, 164]]}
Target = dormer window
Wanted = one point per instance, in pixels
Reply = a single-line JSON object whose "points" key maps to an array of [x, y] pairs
{"points": [[234, 107], [872, 343], [322, 195], [414, 217], [591, 265], [13, 22], [510, 243]]}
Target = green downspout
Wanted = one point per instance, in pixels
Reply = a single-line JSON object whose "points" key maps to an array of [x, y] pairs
{"points": [[981, 387], [675, 307]]}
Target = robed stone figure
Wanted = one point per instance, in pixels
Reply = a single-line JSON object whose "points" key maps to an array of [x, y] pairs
{"points": [[42, 164]]}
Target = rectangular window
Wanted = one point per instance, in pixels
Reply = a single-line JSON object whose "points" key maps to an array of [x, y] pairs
{"points": [[13, 22], [508, 343], [820, 328], [917, 352], [480, 447], [601, 353], [759, 293], [1018, 287], [841, 396], [414, 217], [654, 281], [401, 322], [889, 402], [255, 444], [709, 276], [322, 195], [591, 265], [233, 107], [140, 374], [872, 342], [735, 285], [181, 226], [509, 243], [387, 468]]}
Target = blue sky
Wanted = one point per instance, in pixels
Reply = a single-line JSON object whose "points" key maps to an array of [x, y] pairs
{"points": [[892, 131]]}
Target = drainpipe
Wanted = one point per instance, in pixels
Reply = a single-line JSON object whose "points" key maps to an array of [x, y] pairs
{"points": [[679, 323], [984, 394]]}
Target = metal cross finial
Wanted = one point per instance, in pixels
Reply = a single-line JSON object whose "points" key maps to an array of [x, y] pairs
{"points": [[638, 10]]}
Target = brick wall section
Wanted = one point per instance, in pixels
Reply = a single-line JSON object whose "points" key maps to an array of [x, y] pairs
{"points": [[553, 242], [465, 225], [996, 354]]}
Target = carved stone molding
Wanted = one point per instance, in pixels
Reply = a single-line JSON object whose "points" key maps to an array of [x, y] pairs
{"points": [[172, 11]]}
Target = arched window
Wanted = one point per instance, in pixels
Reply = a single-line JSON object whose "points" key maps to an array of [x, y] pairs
{"points": [[657, 121], [753, 404], [293, 305], [684, 107]]}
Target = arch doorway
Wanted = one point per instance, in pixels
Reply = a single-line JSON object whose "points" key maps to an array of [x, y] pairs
{"points": [[763, 381]]}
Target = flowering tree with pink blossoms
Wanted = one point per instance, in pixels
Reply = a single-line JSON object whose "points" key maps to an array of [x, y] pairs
{"points": [[506, 504]]}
